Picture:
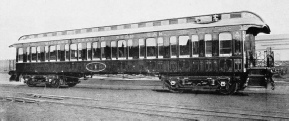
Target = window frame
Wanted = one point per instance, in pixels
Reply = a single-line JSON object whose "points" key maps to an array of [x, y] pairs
{"points": [[171, 46], [102, 50], [147, 49], [188, 41], [33, 51], [38, 52], [89, 51], [140, 49], [129, 48], [193, 45], [125, 49], [96, 51], [50, 53], [20, 58], [46, 53], [73, 47], [231, 44], [66, 52], [79, 52], [160, 46], [113, 47], [28, 54], [208, 38]]}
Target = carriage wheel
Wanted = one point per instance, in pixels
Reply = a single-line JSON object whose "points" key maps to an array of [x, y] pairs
{"points": [[30, 83], [230, 88], [174, 89], [55, 83]]}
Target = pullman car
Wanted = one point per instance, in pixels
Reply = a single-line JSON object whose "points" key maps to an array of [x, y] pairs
{"points": [[215, 51]]}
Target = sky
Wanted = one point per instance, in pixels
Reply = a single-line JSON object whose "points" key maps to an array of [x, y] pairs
{"points": [[22, 17]]}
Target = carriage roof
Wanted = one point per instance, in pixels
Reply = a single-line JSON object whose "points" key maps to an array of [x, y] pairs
{"points": [[192, 22]]}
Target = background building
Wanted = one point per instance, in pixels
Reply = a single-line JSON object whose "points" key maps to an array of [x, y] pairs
{"points": [[278, 42]]}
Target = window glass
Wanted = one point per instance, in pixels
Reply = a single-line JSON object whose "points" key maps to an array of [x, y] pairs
{"points": [[141, 48], [46, 50], [130, 49], [195, 45], [226, 65], [89, 51], [28, 54], [151, 48], [122, 49], [113, 50], [38, 54], [108, 50], [52, 53], [96, 51], [34, 54], [102, 47], [160, 47], [238, 65], [225, 44], [184, 42], [173, 44], [73, 52], [20, 54], [67, 55], [58, 52], [79, 48], [208, 65], [208, 45]]}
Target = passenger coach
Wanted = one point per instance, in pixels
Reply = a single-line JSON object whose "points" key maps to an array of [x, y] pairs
{"points": [[215, 51]]}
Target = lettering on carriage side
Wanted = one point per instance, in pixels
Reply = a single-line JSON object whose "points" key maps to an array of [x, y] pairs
{"points": [[95, 66]]}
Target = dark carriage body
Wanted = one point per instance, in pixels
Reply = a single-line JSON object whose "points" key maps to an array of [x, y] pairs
{"points": [[183, 52]]}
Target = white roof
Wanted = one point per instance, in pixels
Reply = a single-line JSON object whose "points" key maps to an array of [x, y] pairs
{"points": [[225, 19]]}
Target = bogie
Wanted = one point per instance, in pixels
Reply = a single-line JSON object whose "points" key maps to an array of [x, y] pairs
{"points": [[54, 81], [224, 85]]}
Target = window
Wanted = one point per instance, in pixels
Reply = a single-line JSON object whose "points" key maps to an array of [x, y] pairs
{"points": [[208, 45], [95, 51], [52, 53], [238, 65], [141, 48], [20, 54], [225, 44], [79, 48], [122, 49], [46, 51], [89, 51], [73, 52], [113, 50], [160, 47], [173, 45], [58, 53], [130, 49], [151, 45], [184, 42], [28, 54], [195, 45], [38, 54], [226, 65], [237, 43], [208, 65], [34, 54], [102, 47], [66, 48]]}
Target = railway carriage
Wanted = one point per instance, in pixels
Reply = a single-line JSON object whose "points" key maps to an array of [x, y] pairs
{"points": [[215, 51]]}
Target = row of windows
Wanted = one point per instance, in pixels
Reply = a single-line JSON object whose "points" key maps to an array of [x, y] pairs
{"points": [[175, 46]]}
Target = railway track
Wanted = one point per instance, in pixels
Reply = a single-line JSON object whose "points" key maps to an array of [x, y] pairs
{"points": [[156, 109]]}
